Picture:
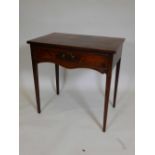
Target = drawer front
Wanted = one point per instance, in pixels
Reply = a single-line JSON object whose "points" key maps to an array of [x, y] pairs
{"points": [[71, 58]]}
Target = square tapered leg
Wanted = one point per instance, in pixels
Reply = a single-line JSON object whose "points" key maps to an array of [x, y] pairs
{"points": [[116, 81], [107, 93], [36, 84], [57, 78]]}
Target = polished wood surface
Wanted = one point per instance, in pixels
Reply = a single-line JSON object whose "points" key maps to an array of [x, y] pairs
{"points": [[78, 51], [98, 43]]}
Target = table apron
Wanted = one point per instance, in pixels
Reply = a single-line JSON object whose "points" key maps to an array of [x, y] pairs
{"points": [[72, 58]]}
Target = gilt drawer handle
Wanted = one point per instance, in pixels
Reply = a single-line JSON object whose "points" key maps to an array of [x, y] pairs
{"points": [[67, 56]]}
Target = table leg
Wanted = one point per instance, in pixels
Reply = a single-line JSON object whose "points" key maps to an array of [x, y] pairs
{"points": [[57, 78], [36, 84], [116, 81], [108, 84]]}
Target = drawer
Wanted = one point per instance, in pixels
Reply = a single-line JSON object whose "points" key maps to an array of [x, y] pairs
{"points": [[71, 58], [41, 54]]}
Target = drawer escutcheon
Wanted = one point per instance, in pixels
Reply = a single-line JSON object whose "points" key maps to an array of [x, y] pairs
{"points": [[67, 56]]}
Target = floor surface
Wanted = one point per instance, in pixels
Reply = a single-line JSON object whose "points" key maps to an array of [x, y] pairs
{"points": [[71, 124]]}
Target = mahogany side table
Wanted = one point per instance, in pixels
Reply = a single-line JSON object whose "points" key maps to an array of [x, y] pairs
{"points": [[78, 51]]}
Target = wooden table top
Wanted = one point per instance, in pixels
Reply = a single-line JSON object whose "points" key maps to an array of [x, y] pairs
{"points": [[99, 43]]}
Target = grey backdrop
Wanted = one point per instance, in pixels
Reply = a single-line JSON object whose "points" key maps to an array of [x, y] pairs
{"points": [[93, 17]]}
